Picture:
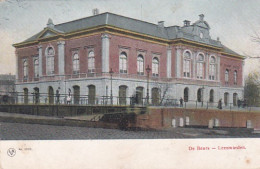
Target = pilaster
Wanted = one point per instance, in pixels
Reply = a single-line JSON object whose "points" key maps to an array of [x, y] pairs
{"points": [[105, 52], [178, 62], [169, 62], [61, 57], [40, 60]]}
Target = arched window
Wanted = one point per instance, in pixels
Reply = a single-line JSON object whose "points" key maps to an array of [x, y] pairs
{"points": [[226, 76], [155, 66], [140, 65], [50, 61], [235, 77], [186, 64], [76, 63], [36, 68], [91, 62], [200, 66], [211, 96], [123, 63], [25, 69], [212, 68], [186, 94]]}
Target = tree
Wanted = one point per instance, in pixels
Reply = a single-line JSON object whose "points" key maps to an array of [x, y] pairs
{"points": [[252, 89]]}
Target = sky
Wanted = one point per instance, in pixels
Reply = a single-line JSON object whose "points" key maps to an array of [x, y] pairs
{"points": [[235, 22]]}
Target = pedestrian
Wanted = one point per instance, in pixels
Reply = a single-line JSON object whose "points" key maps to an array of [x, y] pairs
{"points": [[69, 99], [220, 104], [181, 102]]}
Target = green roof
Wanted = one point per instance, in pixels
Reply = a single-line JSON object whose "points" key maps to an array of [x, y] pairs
{"points": [[139, 26]]}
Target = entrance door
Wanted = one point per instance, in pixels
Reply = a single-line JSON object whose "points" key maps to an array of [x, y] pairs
{"points": [[235, 99], [25, 95], [139, 95], [226, 99], [76, 93], [155, 96], [199, 94], [36, 95], [51, 95], [122, 95], [91, 94], [186, 94]]}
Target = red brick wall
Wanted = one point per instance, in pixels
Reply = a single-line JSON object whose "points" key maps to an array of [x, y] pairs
{"points": [[232, 65], [161, 118], [133, 47], [56, 61], [26, 53], [82, 45]]}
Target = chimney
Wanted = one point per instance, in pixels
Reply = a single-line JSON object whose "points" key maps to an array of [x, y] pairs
{"points": [[201, 17], [95, 11], [186, 23], [161, 24], [50, 23]]}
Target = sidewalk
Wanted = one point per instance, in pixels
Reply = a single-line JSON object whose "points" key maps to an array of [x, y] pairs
{"points": [[48, 120]]}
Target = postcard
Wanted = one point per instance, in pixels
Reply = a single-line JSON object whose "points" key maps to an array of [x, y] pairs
{"points": [[129, 84]]}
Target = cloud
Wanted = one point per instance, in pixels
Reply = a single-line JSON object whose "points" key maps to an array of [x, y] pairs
{"points": [[7, 54]]}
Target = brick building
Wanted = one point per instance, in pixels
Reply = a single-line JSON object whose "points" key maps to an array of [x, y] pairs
{"points": [[77, 57]]}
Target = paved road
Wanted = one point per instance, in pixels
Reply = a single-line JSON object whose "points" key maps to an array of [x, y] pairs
{"points": [[19, 131]]}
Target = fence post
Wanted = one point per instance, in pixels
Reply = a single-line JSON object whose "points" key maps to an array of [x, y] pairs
{"points": [[196, 103], [207, 105]]}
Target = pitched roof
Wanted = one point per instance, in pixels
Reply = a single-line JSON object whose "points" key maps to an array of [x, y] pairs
{"points": [[135, 25]]}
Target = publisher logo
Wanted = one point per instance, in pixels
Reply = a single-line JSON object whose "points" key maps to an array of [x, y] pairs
{"points": [[11, 152]]}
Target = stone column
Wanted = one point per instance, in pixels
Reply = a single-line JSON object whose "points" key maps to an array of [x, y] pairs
{"points": [[243, 73], [169, 62], [40, 60], [178, 62], [218, 68], [105, 52], [17, 65], [193, 59], [61, 57], [207, 66]]}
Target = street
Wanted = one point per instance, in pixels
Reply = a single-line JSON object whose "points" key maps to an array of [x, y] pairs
{"points": [[19, 131]]}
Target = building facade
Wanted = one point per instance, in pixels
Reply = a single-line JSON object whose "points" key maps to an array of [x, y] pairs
{"points": [[108, 58]]}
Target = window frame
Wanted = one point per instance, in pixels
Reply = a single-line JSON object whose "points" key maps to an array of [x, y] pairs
{"points": [[140, 70], [75, 63], [187, 64], [200, 71], [123, 63], [91, 61], [212, 68], [50, 61], [25, 69], [36, 68], [155, 66]]}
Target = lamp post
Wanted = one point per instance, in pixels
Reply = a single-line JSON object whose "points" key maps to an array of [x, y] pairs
{"points": [[111, 92], [148, 69]]}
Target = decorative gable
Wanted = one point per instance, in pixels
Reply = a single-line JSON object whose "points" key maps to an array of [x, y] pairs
{"points": [[47, 33]]}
